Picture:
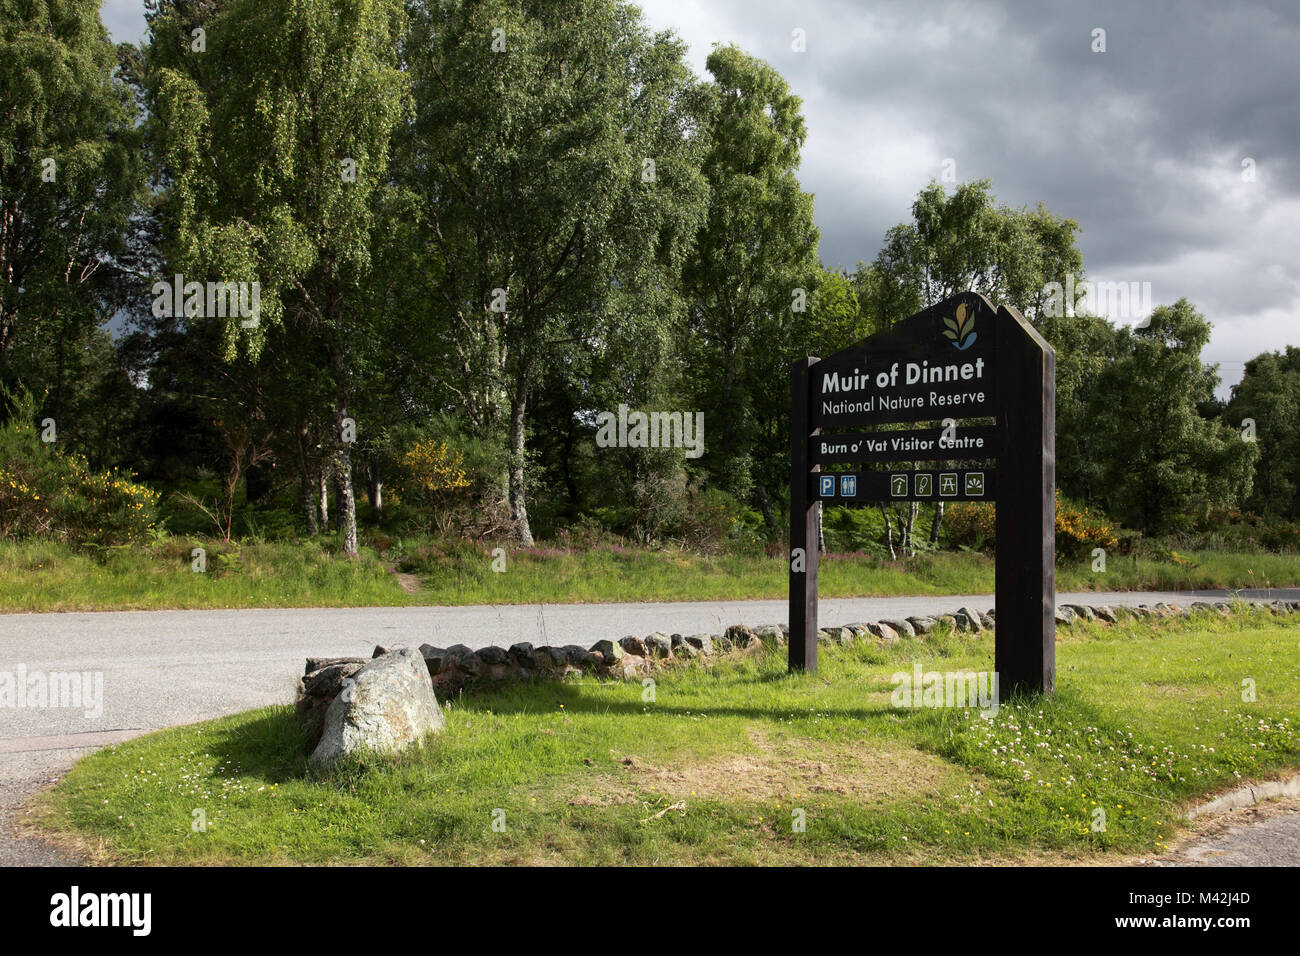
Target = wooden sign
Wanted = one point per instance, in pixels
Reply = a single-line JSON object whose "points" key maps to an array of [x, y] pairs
{"points": [[959, 360]]}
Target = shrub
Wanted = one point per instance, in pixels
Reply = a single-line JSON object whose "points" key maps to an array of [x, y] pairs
{"points": [[448, 481], [1078, 530], [45, 493], [970, 524]]}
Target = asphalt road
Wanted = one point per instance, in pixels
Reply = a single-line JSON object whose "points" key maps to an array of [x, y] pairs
{"points": [[163, 668]]}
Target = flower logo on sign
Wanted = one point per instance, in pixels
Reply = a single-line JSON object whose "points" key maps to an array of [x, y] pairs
{"points": [[961, 329]]}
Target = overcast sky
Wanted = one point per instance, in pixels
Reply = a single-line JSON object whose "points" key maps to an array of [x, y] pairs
{"points": [[1142, 144]]}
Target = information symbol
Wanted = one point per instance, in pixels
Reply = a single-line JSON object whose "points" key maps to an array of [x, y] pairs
{"points": [[898, 486]]}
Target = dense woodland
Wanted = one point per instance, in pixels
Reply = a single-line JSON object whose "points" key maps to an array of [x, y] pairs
{"points": [[475, 226]]}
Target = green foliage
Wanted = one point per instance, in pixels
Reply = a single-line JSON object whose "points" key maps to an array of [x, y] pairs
{"points": [[755, 253], [967, 243], [1269, 394], [70, 179], [1157, 457], [44, 492]]}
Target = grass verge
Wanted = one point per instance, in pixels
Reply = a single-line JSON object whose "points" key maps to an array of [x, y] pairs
{"points": [[44, 576], [721, 764]]}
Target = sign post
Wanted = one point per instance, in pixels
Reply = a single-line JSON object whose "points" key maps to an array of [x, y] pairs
{"points": [[803, 527], [1025, 579], [961, 359]]}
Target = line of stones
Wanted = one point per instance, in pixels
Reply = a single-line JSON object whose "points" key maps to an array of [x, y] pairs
{"points": [[459, 666]]}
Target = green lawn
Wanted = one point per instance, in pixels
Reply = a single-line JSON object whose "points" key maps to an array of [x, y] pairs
{"points": [[1149, 716], [43, 576]]}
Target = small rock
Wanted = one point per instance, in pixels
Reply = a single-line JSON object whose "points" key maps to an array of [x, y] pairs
{"points": [[701, 642], [580, 656], [327, 681], [657, 645], [316, 663], [686, 650], [492, 656], [972, 617], [901, 628], [922, 625], [1106, 613], [741, 636], [524, 655], [608, 650], [883, 633], [465, 660], [435, 658], [633, 645]]}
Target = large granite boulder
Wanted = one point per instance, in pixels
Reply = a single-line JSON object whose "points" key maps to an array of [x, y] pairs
{"points": [[387, 705]]}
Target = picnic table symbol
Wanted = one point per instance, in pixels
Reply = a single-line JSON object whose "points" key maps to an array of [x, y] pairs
{"points": [[975, 484], [898, 486], [948, 483]]}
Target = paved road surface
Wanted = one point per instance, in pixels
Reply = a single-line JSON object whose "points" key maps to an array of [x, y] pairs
{"points": [[162, 668]]}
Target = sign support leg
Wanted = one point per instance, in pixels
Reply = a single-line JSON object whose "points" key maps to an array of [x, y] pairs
{"points": [[803, 529], [1026, 511]]}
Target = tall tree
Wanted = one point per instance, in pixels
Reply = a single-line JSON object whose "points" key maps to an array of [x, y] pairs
{"points": [[69, 180], [1160, 458], [554, 168], [1269, 396], [752, 278], [966, 242], [274, 123]]}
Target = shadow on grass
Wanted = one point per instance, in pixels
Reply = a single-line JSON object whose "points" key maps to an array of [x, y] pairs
{"points": [[273, 747]]}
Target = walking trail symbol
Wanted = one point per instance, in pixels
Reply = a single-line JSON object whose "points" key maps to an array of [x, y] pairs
{"points": [[959, 360]]}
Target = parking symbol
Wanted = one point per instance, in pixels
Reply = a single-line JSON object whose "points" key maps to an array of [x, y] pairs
{"points": [[849, 486], [975, 484], [898, 486], [948, 484], [828, 486], [924, 485]]}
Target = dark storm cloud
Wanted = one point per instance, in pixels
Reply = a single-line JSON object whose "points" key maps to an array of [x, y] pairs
{"points": [[1142, 144]]}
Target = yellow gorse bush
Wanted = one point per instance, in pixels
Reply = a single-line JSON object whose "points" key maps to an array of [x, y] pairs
{"points": [[47, 493], [431, 466], [1078, 531]]}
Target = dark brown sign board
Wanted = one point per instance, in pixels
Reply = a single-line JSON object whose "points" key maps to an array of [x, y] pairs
{"points": [[961, 359]]}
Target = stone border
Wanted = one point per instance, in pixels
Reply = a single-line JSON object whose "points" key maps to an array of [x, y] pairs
{"points": [[458, 667], [1248, 796]]}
